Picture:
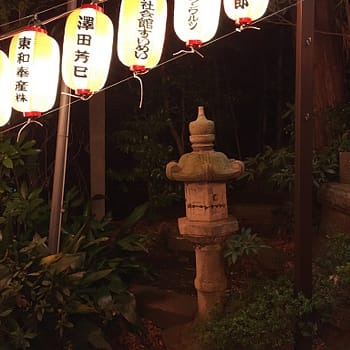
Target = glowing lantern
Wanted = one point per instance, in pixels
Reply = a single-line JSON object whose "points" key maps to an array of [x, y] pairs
{"points": [[5, 104], [87, 49], [245, 11], [34, 67], [196, 22], [141, 33]]}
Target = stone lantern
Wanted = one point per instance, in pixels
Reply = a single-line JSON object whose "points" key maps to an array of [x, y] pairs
{"points": [[207, 223]]}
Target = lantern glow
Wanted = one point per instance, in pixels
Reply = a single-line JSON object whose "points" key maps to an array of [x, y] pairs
{"points": [[87, 49], [196, 22], [34, 67], [5, 105], [245, 11], [141, 33]]}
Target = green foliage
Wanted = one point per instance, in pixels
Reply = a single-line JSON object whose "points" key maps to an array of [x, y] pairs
{"points": [[332, 274], [69, 299], [59, 296], [274, 169], [18, 162], [243, 243], [271, 169], [22, 207], [141, 140], [268, 313], [343, 142], [263, 317]]}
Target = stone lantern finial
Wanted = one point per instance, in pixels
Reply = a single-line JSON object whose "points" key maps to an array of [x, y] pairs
{"points": [[202, 132], [203, 164]]}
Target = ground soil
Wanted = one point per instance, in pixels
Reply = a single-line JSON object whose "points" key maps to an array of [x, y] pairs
{"points": [[175, 270]]}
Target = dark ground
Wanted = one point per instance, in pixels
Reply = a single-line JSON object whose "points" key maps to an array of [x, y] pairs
{"points": [[172, 289]]}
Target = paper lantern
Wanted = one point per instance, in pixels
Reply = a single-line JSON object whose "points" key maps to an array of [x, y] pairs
{"points": [[141, 33], [87, 49], [34, 67], [245, 11], [5, 104], [196, 22]]}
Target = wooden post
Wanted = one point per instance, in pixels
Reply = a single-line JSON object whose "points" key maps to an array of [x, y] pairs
{"points": [[303, 154], [97, 116]]}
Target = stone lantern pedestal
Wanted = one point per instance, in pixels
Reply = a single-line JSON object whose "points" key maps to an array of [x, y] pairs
{"points": [[207, 223]]}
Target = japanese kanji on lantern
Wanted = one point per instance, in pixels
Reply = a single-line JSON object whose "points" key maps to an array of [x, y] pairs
{"points": [[196, 21], [5, 105], [87, 49], [245, 11], [141, 33], [34, 67]]}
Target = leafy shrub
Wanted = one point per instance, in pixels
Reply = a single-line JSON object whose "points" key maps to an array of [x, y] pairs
{"points": [[65, 300], [22, 207], [263, 317], [69, 297], [268, 313], [273, 169], [243, 243], [144, 145]]}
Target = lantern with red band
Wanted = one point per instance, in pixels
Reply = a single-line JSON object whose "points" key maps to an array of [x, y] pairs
{"points": [[196, 22], [5, 105], [34, 67], [87, 49], [245, 11], [141, 33]]}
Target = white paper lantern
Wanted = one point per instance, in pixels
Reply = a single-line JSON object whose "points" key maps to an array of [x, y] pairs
{"points": [[196, 22], [245, 11], [87, 49], [34, 67], [141, 33], [5, 95]]}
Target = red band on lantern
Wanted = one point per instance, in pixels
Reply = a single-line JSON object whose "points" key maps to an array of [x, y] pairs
{"points": [[36, 29], [139, 69], [81, 92], [194, 43], [244, 20], [92, 6], [31, 114]]}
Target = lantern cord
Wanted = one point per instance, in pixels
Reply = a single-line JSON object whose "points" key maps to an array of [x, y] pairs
{"points": [[40, 12], [97, 2], [85, 97], [81, 97], [11, 128], [244, 27], [191, 50], [29, 121], [137, 77]]}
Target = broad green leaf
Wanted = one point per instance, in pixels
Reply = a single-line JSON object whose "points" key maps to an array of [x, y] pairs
{"points": [[95, 276], [47, 260], [8, 163]]}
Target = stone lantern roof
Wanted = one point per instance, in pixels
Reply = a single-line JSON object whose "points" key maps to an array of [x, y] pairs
{"points": [[203, 164]]}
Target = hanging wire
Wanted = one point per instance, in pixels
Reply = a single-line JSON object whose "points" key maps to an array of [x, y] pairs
{"points": [[137, 77], [191, 50], [12, 128], [39, 13], [178, 55], [243, 27], [84, 97], [29, 121]]}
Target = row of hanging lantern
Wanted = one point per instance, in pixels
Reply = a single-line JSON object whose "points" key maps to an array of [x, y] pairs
{"points": [[32, 69]]}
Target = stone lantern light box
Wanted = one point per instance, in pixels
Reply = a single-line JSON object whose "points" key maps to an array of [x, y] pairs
{"points": [[204, 173]]}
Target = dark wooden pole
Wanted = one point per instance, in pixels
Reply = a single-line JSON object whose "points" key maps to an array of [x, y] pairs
{"points": [[97, 116], [303, 154]]}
